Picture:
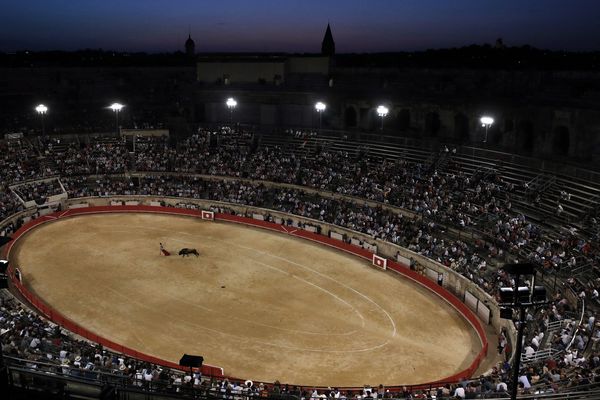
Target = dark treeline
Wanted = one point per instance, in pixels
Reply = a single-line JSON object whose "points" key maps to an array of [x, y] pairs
{"points": [[90, 58], [486, 56], [477, 57]]}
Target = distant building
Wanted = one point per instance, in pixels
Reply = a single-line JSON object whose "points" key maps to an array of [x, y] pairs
{"points": [[262, 68], [190, 46], [545, 103], [328, 45]]}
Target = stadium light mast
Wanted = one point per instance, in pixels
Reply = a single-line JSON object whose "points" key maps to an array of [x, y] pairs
{"points": [[486, 122], [519, 297], [116, 107], [42, 110], [320, 107], [231, 104], [382, 111]]}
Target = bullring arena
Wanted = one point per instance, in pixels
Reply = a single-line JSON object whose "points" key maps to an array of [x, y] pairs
{"points": [[261, 304], [289, 284]]}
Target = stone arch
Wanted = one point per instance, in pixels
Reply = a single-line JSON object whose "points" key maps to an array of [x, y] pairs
{"points": [[403, 120], [461, 127], [509, 125], [432, 123], [494, 135], [561, 141], [350, 117], [525, 137]]}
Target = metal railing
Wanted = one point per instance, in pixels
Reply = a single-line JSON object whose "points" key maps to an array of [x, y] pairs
{"points": [[104, 386], [539, 355]]}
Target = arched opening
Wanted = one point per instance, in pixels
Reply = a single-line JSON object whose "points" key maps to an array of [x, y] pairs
{"points": [[461, 127], [200, 112], [509, 125], [350, 117], [525, 138], [494, 135], [561, 141], [432, 124], [403, 120]]}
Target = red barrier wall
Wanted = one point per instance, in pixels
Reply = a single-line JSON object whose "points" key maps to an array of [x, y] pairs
{"points": [[297, 232]]}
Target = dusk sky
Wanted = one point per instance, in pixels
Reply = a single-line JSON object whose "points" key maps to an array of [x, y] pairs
{"points": [[297, 25]]}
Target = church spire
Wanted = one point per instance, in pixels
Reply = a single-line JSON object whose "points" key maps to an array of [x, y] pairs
{"points": [[190, 46], [328, 45]]}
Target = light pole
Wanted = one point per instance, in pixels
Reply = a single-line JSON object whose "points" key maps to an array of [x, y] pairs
{"points": [[520, 298], [486, 122], [231, 104], [42, 110], [320, 107], [116, 107], [382, 111]]}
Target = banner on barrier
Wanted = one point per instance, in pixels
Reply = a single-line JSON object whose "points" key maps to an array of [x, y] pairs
{"points": [[477, 306], [432, 274], [379, 262], [403, 260], [483, 312], [335, 235], [370, 247], [207, 215], [80, 205], [471, 301]]}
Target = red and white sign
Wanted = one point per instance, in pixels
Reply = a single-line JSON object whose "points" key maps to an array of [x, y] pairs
{"points": [[208, 215], [379, 261]]}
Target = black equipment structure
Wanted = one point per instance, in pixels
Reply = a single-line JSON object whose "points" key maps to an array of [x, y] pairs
{"points": [[192, 362], [520, 298]]}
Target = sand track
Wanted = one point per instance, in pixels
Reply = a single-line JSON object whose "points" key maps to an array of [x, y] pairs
{"points": [[262, 305]]}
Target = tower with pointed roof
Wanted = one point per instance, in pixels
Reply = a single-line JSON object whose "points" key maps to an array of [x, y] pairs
{"points": [[328, 45], [190, 46]]}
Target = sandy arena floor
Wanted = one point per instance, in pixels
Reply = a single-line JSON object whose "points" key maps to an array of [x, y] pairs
{"points": [[261, 305]]}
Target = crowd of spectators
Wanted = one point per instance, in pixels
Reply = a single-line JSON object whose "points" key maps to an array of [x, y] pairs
{"points": [[38, 191], [453, 199], [443, 199], [417, 207], [43, 346]]}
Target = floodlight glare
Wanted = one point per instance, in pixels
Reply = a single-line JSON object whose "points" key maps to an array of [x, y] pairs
{"points": [[41, 109], [382, 111], [231, 103], [486, 121], [320, 106], [116, 107]]}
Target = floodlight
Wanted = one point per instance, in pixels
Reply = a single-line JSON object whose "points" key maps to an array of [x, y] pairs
{"points": [[41, 109], [231, 103], [116, 107], [486, 121], [382, 111]]}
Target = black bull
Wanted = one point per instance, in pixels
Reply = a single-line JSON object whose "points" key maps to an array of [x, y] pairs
{"points": [[186, 252]]}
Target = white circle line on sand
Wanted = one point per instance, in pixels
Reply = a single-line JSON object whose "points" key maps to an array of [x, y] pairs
{"points": [[276, 327], [242, 338], [389, 317], [393, 323], [246, 338]]}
